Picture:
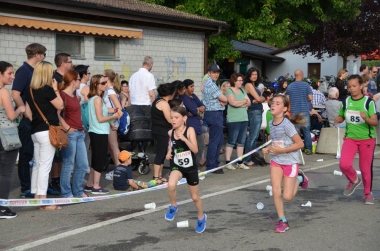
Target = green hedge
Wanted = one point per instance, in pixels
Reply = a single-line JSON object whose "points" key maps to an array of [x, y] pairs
{"points": [[371, 63]]}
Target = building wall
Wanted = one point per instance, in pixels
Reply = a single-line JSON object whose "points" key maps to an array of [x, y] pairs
{"points": [[176, 54], [329, 66]]}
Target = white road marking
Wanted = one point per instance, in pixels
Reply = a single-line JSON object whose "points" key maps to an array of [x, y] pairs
{"points": [[122, 218]]}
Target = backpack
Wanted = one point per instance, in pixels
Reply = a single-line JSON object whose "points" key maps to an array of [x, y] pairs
{"points": [[85, 116], [124, 120], [124, 123]]}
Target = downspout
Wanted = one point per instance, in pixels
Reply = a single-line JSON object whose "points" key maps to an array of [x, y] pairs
{"points": [[205, 50]]}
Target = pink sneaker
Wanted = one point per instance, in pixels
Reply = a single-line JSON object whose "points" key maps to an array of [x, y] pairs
{"points": [[281, 227], [305, 183]]}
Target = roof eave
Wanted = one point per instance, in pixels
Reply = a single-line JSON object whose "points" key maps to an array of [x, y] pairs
{"points": [[268, 57], [104, 11]]}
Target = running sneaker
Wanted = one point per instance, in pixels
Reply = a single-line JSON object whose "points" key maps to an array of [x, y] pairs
{"points": [[308, 152], [87, 189], [51, 191], [26, 194], [305, 183], [368, 199], [230, 167], [281, 227], [99, 191], [201, 225], [350, 189], [7, 214], [242, 166], [171, 213]]}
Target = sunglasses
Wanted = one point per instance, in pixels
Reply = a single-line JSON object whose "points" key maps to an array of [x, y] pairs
{"points": [[103, 83], [374, 72]]}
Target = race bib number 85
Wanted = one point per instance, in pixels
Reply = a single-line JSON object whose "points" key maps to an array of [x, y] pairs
{"points": [[183, 159], [353, 117]]}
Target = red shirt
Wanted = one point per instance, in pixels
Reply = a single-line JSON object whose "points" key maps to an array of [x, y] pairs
{"points": [[71, 112]]}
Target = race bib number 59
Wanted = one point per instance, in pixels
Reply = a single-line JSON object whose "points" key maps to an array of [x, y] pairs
{"points": [[353, 117], [183, 159]]}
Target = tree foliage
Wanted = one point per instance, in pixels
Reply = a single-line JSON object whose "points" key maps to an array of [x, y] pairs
{"points": [[276, 22], [350, 37]]}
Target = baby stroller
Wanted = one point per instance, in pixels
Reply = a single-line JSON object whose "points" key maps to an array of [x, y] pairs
{"points": [[139, 134]]}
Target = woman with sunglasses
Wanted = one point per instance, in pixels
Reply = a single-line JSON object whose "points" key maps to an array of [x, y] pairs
{"points": [[251, 81], [75, 152], [99, 130]]}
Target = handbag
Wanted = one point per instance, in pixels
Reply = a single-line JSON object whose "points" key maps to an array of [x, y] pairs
{"points": [[9, 138], [57, 135]]}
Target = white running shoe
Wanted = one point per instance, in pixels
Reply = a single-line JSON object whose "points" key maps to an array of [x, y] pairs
{"points": [[242, 166], [230, 167]]}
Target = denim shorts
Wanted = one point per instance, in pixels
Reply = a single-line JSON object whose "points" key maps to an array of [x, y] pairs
{"points": [[237, 133]]}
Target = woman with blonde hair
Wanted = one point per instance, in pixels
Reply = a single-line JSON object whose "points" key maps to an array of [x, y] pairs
{"points": [[43, 93], [7, 116], [75, 152], [339, 83], [99, 129], [112, 100]]}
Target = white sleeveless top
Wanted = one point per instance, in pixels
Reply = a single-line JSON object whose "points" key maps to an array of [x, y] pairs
{"points": [[79, 94]]}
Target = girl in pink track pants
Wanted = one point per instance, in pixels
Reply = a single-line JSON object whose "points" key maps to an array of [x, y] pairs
{"points": [[361, 118]]}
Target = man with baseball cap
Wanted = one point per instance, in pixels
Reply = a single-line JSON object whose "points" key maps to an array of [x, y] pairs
{"points": [[215, 103]]}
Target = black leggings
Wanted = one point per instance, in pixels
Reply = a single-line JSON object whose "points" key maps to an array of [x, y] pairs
{"points": [[99, 150], [161, 148], [7, 165]]}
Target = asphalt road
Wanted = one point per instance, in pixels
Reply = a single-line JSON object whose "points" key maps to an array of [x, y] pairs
{"points": [[334, 222]]}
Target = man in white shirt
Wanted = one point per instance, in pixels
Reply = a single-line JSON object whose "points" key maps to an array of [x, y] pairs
{"points": [[142, 86]]}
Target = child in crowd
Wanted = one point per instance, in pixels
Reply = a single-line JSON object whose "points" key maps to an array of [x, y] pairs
{"points": [[175, 102], [181, 153], [284, 157], [360, 114], [122, 175]]}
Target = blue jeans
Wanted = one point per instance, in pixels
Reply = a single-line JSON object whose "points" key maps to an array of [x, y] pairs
{"points": [[214, 120], [75, 151], [306, 132], [237, 133], [25, 153], [255, 119]]}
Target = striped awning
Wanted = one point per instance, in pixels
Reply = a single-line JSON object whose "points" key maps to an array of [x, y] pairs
{"points": [[68, 26]]}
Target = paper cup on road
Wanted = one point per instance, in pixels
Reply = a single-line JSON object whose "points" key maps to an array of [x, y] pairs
{"points": [[338, 173], [269, 188], [151, 205], [319, 160], [260, 206], [308, 204], [358, 172], [270, 193], [183, 223]]}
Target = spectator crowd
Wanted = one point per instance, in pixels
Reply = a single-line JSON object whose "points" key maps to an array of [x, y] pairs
{"points": [[67, 95]]}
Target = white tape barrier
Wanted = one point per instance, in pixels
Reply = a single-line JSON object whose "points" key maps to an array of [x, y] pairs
{"points": [[65, 201]]}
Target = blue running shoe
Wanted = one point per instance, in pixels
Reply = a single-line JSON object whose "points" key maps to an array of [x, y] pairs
{"points": [[171, 213], [51, 191], [201, 226], [27, 194]]}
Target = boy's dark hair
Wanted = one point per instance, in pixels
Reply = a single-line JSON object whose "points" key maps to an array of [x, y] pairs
{"points": [[34, 49], [175, 102], [81, 69]]}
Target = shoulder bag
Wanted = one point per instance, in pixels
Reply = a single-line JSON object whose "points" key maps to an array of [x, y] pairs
{"points": [[9, 137], [57, 135]]}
